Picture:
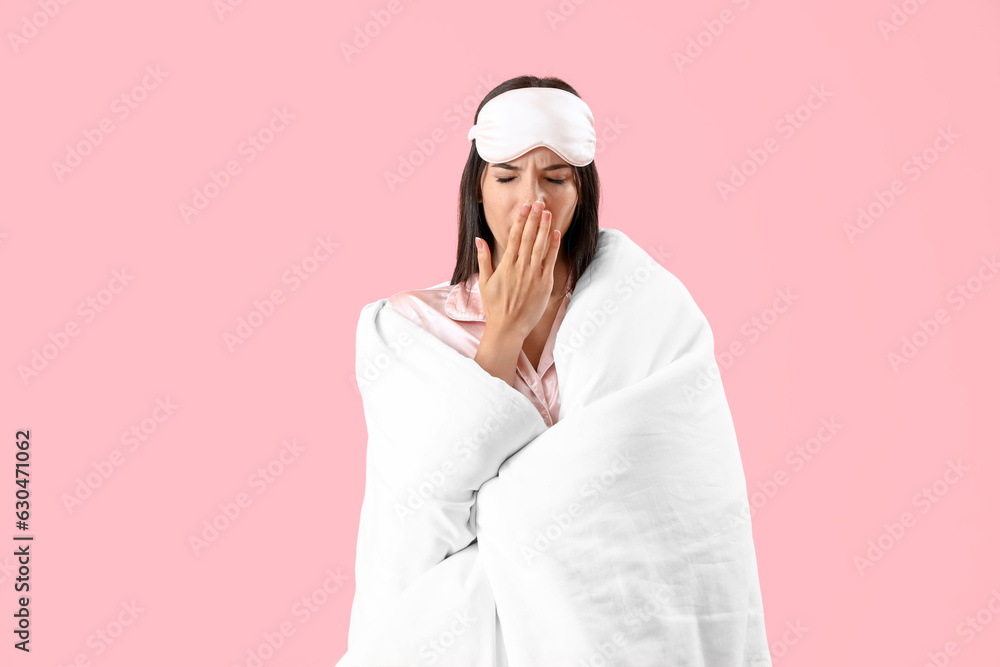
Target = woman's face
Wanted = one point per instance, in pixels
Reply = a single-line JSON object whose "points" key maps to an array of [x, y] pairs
{"points": [[539, 174]]}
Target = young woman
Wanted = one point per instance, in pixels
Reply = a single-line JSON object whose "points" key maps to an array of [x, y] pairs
{"points": [[535, 217], [515, 516]]}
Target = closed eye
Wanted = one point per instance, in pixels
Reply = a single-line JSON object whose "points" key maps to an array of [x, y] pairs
{"points": [[551, 180]]}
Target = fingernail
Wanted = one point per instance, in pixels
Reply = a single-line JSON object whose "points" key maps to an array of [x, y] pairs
{"points": [[479, 244], [538, 205], [525, 208]]}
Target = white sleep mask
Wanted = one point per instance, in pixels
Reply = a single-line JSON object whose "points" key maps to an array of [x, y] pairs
{"points": [[519, 120]]}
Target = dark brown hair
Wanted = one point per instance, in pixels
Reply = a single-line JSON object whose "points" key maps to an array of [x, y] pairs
{"points": [[580, 241]]}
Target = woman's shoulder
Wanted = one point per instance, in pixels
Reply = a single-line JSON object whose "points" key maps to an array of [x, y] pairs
{"points": [[432, 296], [420, 304]]}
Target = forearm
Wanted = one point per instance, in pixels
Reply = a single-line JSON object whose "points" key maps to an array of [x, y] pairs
{"points": [[498, 354]]}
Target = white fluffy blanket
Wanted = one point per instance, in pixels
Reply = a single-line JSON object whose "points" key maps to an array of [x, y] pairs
{"points": [[619, 536]]}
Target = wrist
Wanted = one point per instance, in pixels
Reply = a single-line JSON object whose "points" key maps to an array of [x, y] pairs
{"points": [[498, 354], [502, 338]]}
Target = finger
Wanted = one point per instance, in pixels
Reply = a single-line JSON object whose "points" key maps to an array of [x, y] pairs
{"points": [[541, 247], [530, 230], [550, 257], [514, 237], [485, 262]]}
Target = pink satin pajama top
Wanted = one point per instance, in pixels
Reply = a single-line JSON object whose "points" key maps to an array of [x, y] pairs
{"points": [[454, 313]]}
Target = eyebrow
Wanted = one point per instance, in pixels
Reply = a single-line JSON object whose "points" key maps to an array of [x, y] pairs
{"points": [[506, 165]]}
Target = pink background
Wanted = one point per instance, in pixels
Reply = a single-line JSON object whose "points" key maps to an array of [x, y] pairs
{"points": [[670, 135]]}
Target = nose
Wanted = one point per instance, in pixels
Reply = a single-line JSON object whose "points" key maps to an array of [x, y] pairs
{"points": [[534, 191]]}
